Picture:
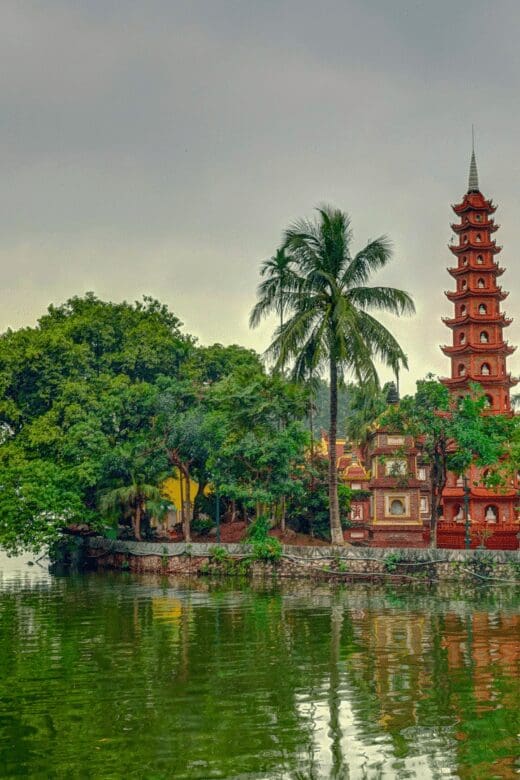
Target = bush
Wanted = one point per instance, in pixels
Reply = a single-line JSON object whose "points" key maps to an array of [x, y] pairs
{"points": [[259, 529], [202, 525], [219, 554], [269, 549]]}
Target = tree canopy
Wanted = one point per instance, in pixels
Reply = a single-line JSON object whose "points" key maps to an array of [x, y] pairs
{"points": [[100, 401]]}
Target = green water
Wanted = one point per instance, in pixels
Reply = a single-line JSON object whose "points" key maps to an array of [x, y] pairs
{"points": [[121, 676]]}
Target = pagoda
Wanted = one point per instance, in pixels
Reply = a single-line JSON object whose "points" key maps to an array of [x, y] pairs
{"points": [[478, 352]]}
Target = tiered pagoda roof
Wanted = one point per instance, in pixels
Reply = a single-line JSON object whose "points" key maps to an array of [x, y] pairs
{"points": [[478, 352]]}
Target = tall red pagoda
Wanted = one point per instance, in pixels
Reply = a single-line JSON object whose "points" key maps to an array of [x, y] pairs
{"points": [[478, 351]]}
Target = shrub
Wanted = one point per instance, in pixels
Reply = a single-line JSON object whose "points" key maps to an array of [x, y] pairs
{"points": [[259, 529], [219, 554], [269, 549], [202, 525], [391, 562]]}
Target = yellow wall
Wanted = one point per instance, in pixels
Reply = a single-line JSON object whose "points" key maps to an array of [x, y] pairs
{"points": [[171, 488]]}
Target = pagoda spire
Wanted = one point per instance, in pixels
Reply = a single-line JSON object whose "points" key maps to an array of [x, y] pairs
{"points": [[473, 173]]}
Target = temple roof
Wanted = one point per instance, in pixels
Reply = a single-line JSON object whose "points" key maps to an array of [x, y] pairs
{"points": [[474, 201]]}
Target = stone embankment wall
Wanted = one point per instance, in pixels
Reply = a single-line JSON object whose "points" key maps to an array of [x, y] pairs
{"points": [[324, 563]]}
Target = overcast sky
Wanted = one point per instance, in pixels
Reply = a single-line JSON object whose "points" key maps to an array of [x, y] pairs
{"points": [[161, 147]]}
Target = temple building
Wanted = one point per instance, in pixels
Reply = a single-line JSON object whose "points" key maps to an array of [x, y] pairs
{"points": [[397, 511]]}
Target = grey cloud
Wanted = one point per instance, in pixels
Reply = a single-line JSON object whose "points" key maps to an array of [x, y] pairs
{"points": [[162, 147]]}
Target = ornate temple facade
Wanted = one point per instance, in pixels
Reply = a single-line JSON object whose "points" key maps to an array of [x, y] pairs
{"points": [[394, 509]]}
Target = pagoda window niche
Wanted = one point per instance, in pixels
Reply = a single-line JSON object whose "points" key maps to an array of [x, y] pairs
{"points": [[462, 338], [397, 507], [463, 311], [464, 261], [478, 217], [484, 337], [463, 284], [480, 260], [488, 401], [491, 514], [482, 309], [478, 238], [461, 370], [458, 514], [485, 370], [481, 284]]}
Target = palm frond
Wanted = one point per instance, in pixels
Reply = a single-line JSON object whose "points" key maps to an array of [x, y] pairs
{"points": [[383, 298], [375, 255], [383, 344]]}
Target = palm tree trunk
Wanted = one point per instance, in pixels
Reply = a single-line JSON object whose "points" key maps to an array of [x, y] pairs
{"points": [[336, 533], [282, 514]]}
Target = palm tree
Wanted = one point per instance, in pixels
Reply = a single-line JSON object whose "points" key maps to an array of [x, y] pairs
{"points": [[330, 324], [278, 277], [131, 500]]}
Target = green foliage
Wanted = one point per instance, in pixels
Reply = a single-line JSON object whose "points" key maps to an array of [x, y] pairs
{"points": [[77, 403], [101, 401], [269, 549], [391, 562], [37, 500], [367, 403], [308, 511], [219, 554], [265, 547], [321, 407], [261, 442], [259, 529], [202, 525]]}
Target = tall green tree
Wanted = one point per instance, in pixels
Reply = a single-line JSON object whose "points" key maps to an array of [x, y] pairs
{"points": [[330, 316], [260, 440]]}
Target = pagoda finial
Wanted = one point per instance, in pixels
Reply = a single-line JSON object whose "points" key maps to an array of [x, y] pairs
{"points": [[473, 173]]}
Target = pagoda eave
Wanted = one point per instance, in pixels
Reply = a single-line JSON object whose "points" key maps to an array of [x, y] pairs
{"points": [[496, 349], [485, 381], [460, 249], [485, 205], [480, 292], [459, 270], [477, 493], [460, 228], [453, 322]]}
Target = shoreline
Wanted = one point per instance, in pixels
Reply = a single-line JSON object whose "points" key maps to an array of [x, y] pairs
{"points": [[318, 563]]}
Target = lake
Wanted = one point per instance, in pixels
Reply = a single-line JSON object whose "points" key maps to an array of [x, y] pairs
{"points": [[116, 675]]}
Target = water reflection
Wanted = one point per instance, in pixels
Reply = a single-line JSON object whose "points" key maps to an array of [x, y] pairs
{"points": [[110, 675]]}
